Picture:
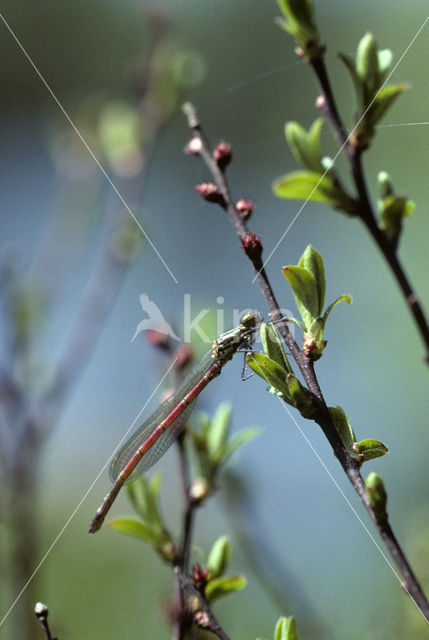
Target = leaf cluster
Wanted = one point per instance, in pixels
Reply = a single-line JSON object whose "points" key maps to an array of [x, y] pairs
{"points": [[307, 281], [319, 181]]}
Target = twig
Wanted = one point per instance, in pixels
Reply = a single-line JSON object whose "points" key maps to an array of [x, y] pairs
{"points": [[304, 363], [41, 611], [365, 208], [182, 560], [209, 623]]}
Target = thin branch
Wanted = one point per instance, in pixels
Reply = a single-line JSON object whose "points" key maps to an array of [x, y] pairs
{"points": [[209, 622], [182, 560], [366, 210], [306, 367], [41, 611]]}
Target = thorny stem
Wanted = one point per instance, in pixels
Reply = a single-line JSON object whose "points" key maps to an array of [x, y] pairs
{"points": [[366, 212], [306, 367]]}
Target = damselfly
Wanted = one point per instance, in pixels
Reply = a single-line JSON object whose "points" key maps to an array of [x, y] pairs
{"points": [[159, 432]]}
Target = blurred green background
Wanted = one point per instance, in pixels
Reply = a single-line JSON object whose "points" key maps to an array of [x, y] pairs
{"points": [[309, 543]]}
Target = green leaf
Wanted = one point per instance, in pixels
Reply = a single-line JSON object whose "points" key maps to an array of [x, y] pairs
{"points": [[316, 330], [135, 529], [273, 346], [213, 448], [303, 400], [269, 371], [344, 298], [392, 211], [313, 136], [299, 11], [245, 435], [300, 24], [370, 449], [357, 82], [313, 187], [217, 434], [367, 65], [304, 289], [139, 496], [342, 426], [285, 629], [312, 261], [220, 587], [384, 100], [305, 148], [219, 557]]}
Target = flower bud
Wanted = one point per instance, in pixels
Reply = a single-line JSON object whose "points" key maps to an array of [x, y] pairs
{"points": [[252, 246], [157, 338], [245, 207], [210, 192], [194, 146], [223, 155], [200, 577]]}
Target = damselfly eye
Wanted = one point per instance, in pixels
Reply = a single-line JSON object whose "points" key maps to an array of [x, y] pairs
{"points": [[250, 320]]}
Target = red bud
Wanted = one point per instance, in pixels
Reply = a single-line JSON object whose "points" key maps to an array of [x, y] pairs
{"points": [[245, 207], [210, 192], [252, 246], [223, 155], [157, 338], [200, 577]]}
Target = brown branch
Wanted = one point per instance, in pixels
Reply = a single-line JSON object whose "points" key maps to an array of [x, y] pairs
{"points": [[41, 611], [208, 621], [364, 206], [304, 363]]}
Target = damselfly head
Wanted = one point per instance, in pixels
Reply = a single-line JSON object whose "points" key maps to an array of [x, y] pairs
{"points": [[251, 321]]}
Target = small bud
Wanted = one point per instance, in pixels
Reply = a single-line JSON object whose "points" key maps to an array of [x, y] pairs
{"points": [[252, 246], [183, 356], [194, 146], [157, 338], [200, 577], [202, 620], [199, 490], [245, 207], [223, 155], [168, 551], [210, 192], [377, 495], [321, 103], [355, 452], [41, 610], [312, 348]]}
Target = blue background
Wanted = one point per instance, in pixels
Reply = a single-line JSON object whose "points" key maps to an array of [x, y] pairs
{"points": [[311, 545]]}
